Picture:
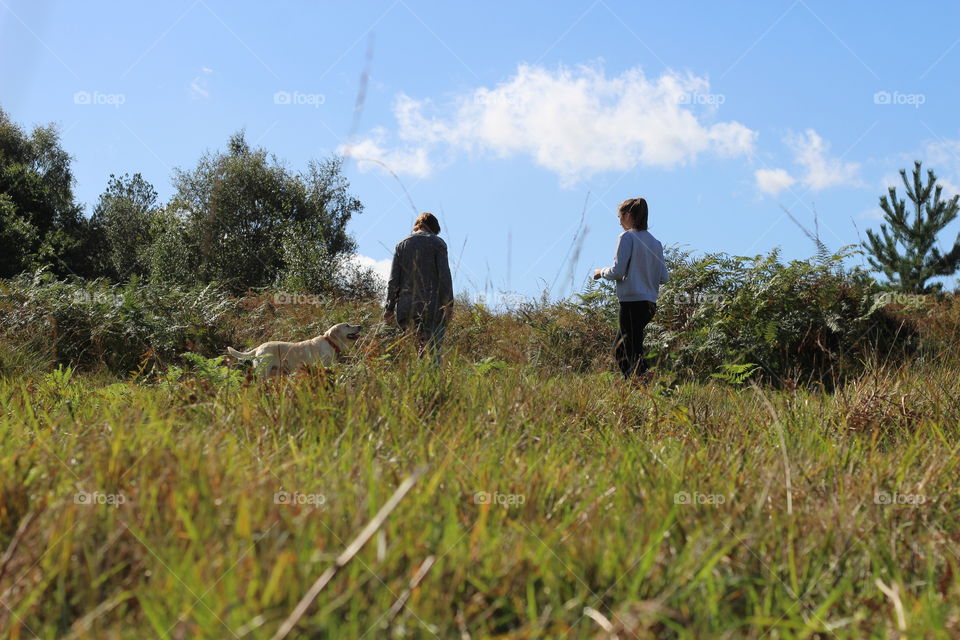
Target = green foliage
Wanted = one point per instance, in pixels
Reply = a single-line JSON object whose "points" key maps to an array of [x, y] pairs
{"points": [[121, 227], [806, 320], [310, 267], [736, 374], [122, 327], [666, 513], [18, 238], [213, 371], [235, 215], [810, 320], [906, 251], [240, 218], [40, 223], [487, 365], [572, 334]]}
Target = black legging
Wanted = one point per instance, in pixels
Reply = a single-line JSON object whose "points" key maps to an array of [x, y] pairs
{"points": [[634, 317]]}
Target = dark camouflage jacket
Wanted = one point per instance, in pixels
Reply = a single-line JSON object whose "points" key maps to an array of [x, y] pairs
{"points": [[420, 282]]}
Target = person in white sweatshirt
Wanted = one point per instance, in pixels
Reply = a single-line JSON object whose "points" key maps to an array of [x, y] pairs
{"points": [[638, 269]]}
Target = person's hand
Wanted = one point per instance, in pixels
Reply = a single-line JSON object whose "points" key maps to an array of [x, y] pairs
{"points": [[596, 274], [389, 317]]}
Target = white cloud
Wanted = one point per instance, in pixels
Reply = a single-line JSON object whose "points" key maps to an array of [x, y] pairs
{"points": [[821, 170], [379, 267], [773, 181], [943, 156], [370, 153], [574, 122]]}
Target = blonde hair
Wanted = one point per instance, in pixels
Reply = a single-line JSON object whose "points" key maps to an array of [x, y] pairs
{"points": [[427, 222]]}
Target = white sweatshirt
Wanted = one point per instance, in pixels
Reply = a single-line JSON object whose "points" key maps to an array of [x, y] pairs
{"points": [[638, 267]]}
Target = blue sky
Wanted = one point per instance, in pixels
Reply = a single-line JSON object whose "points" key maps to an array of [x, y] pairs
{"points": [[512, 121]]}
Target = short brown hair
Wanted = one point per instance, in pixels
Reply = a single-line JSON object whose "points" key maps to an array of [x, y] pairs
{"points": [[427, 222], [636, 208]]}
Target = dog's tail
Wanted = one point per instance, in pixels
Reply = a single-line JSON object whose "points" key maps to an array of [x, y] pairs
{"points": [[240, 355]]}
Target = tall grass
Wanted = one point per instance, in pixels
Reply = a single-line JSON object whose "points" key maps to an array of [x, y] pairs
{"points": [[149, 489], [153, 509]]}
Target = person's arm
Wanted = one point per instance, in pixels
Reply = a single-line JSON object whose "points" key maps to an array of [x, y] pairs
{"points": [[446, 280], [393, 285], [664, 274], [620, 261]]}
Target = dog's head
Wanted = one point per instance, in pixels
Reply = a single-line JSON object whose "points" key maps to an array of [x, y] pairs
{"points": [[343, 333]]}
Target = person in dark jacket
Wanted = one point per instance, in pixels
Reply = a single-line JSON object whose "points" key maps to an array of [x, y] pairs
{"points": [[420, 290]]}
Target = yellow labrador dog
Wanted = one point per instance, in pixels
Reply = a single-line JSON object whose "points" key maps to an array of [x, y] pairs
{"points": [[285, 357]]}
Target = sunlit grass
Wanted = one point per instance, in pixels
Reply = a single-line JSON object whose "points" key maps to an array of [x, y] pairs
{"points": [[207, 507]]}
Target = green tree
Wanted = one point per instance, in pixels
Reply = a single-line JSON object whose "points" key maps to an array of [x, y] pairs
{"points": [[905, 251], [121, 225], [41, 222], [232, 214]]}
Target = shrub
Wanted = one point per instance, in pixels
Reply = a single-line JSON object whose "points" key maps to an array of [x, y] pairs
{"points": [[40, 221], [310, 267], [809, 320], [122, 327], [234, 214], [120, 227], [736, 318]]}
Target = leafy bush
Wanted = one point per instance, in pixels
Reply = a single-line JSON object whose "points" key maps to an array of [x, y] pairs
{"points": [[576, 334], [310, 267], [811, 320], [210, 370], [40, 221], [121, 225], [234, 215], [122, 327], [736, 319]]}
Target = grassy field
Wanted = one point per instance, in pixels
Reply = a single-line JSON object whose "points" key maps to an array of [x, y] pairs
{"points": [[551, 504]]}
